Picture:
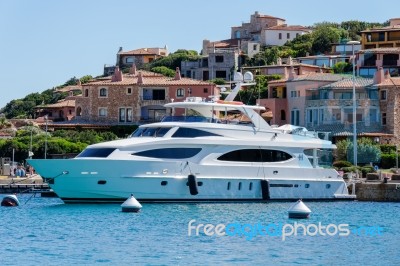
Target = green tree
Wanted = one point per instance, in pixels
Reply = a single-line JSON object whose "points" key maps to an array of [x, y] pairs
{"points": [[164, 71], [367, 152], [324, 36], [342, 67]]}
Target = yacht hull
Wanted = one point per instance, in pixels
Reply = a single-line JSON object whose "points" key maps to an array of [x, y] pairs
{"points": [[105, 180]]}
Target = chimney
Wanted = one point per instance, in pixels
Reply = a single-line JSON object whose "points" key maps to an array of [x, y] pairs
{"points": [[140, 78], [379, 76], [120, 49], [285, 73], [387, 75], [70, 93], [290, 60], [132, 69], [279, 61], [394, 22], [79, 83], [177, 74], [292, 73], [117, 75]]}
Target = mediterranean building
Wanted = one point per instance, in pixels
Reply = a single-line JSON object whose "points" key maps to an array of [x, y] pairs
{"points": [[218, 63], [287, 96], [280, 34], [138, 57], [137, 97], [380, 48], [254, 29], [389, 103]]}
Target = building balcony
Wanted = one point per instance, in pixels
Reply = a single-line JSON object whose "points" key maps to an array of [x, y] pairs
{"points": [[146, 101], [342, 102]]}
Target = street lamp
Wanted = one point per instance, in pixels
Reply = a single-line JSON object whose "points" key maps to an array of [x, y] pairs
{"points": [[45, 141], [352, 43]]}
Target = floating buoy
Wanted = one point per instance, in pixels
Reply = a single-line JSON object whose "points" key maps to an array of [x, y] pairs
{"points": [[131, 205], [10, 201], [299, 210]]}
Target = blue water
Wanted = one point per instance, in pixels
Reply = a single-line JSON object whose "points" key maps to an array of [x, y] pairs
{"points": [[47, 232]]}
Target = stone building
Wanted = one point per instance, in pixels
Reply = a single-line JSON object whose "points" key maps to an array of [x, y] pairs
{"points": [[219, 63], [389, 101], [253, 30], [137, 97]]}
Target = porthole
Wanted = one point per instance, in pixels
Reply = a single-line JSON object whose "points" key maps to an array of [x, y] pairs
{"points": [[229, 186], [101, 182], [307, 185], [251, 186], [200, 183], [296, 185], [164, 183], [328, 186], [240, 186]]}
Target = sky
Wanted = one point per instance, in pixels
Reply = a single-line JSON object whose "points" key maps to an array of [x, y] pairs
{"points": [[44, 43]]}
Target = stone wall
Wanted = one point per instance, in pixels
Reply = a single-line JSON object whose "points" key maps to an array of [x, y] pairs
{"points": [[378, 192]]}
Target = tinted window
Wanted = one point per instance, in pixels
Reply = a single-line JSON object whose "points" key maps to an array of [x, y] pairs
{"points": [[150, 132], [170, 153], [96, 152], [255, 155], [192, 133]]}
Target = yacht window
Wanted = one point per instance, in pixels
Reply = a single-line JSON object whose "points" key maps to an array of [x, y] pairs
{"points": [[255, 155], [96, 152], [192, 133], [150, 132], [169, 153], [162, 131]]}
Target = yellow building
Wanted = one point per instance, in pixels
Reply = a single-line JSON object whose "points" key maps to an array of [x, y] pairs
{"points": [[382, 37]]}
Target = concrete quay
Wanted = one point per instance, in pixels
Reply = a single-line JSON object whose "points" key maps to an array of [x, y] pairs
{"points": [[27, 184], [379, 190]]}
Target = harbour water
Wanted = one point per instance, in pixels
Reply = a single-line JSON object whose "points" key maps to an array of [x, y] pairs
{"points": [[44, 231]]}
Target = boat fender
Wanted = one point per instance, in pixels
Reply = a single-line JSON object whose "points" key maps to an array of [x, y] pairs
{"points": [[10, 201], [265, 189], [192, 182]]}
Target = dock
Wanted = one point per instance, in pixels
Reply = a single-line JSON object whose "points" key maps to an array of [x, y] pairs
{"points": [[29, 184], [383, 190]]}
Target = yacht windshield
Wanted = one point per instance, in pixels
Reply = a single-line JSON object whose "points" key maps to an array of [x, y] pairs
{"points": [[150, 132]]}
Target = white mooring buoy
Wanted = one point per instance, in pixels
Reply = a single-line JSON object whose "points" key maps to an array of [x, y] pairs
{"points": [[10, 201], [131, 205], [299, 210]]}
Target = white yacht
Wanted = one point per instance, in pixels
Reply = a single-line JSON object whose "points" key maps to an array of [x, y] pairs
{"points": [[217, 150]]}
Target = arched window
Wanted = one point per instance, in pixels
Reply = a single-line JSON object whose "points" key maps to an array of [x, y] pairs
{"points": [[78, 111], [237, 34], [283, 115], [180, 92], [103, 92]]}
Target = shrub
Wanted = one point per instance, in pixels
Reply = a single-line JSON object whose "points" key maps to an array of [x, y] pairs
{"points": [[387, 148], [388, 160], [341, 164], [366, 170]]}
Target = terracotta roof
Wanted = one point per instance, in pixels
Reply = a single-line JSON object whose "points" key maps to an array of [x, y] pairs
{"points": [[224, 43], [141, 51], [320, 77], [158, 80], [70, 88], [388, 28], [390, 82], [289, 28], [348, 83], [268, 16], [388, 50], [62, 103]]}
